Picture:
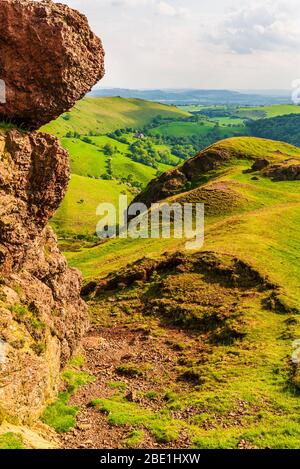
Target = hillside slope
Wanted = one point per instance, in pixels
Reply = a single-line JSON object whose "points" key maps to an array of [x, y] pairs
{"points": [[204, 166], [220, 366], [103, 115]]}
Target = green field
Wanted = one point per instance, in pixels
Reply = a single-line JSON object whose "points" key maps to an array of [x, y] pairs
{"points": [[77, 213], [90, 160], [183, 129], [85, 159], [103, 115], [235, 121], [201, 129], [272, 111]]}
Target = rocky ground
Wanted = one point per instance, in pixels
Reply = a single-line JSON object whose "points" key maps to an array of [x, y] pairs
{"points": [[107, 348]]}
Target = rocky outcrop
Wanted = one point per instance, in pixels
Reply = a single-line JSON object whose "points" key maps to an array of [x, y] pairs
{"points": [[34, 173], [283, 172], [42, 317], [49, 58]]}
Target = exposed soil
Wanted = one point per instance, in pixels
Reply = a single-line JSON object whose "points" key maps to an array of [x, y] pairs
{"points": [[107, 348]]}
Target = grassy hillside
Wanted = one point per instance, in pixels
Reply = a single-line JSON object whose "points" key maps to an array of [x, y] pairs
{"points": [[91, 160], [259, 194], [103, 115], [77, 213], [224, 316]]}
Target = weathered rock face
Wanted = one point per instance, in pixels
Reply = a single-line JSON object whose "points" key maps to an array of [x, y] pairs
{"points": [[42, 317], [49, 58], [34, 173]]}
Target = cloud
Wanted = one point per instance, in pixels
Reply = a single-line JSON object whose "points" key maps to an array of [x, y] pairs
{"points": [[166, 9], [260, 27], [130, 3]]}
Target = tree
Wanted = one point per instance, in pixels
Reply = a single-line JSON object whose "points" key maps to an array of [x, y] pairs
{"points": [[108, 149]]}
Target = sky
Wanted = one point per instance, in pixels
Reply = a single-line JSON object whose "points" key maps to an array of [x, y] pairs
{"points": [[213, 44]]}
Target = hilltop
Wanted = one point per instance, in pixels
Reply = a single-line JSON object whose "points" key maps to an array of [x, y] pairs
{"points": [[205, 165], [103, 115]]}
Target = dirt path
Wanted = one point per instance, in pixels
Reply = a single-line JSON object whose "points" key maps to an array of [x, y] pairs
{"points": [[108, 348]]}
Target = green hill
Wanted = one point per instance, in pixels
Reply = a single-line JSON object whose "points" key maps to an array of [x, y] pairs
{"points": [[77, 214], [219, 322], [103, 115]]}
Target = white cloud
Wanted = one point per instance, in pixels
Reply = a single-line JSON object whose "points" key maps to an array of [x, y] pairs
{"points": [[148, 49], [264, 26], [166, 9], [130, 3]]}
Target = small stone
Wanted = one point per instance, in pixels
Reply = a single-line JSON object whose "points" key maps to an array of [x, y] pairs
{"points": [[131, 396]]}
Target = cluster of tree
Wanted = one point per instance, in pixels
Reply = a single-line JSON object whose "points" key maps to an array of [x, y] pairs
{"points": [[109, 149], [75, 134], [285, 128], [188, 146], [143, 151], [132, 182], [72, 135], [118, 134]]}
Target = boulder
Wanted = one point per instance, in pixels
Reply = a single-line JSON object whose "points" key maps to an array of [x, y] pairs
{"points": [[49, 59], [260, 164]]}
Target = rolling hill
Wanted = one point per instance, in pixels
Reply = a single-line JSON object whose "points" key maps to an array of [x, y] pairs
{"points": [[103, 115], [203, 97], [82, 132], [219, 323]]}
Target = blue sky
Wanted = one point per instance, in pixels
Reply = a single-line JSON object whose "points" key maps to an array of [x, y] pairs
{"points": [[197, 43]]}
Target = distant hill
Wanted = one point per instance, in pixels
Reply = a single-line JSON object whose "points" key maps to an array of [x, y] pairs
{"points": [[190, 96], [103, 115]]}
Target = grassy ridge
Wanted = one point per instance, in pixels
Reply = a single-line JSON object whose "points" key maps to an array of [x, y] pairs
{"points": [[103, 115]]}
